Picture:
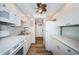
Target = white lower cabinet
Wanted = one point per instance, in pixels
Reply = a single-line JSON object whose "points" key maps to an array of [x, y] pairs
{"points": [[67, 50], [27, 45], [47, 42], [55, 48], [58, 48]]}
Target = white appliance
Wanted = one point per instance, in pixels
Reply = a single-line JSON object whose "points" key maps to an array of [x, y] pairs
{"points": [[12, 45], [4, 33], [16, 49], [6, 15], [50, 30]]}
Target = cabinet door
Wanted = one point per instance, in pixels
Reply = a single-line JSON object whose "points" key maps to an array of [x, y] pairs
{"points": [[17, 21], [26, 47], [55, 47], [12, 14], [75, 13], [65, 15], [65, 50], [47, 42], [3, 6], [11, 7], [12, 18], [68, 51], [5, 14], [68, 15], [58, 48], [28, 42]]}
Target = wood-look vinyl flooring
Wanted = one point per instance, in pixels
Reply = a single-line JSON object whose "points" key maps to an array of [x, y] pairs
{"points": [[38, 48]]}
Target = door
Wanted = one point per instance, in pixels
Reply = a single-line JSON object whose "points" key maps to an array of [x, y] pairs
{"points": [[39, 27]]}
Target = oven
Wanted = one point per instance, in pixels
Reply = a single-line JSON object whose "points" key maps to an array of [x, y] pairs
{"points": [[20, 52], [16, 49]]}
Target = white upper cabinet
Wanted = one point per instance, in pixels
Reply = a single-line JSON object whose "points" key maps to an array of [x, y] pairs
{"points": [[25, 21], [65, 15], [68, 15], [5, 14], [11, 7], [75, 15], [11, 14], [16, 21]]}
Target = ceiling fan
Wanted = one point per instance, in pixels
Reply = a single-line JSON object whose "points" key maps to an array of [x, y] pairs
{"points": [[41, 8]]}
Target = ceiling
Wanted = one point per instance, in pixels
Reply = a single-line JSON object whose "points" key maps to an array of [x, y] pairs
{"points": [[29, 8]]}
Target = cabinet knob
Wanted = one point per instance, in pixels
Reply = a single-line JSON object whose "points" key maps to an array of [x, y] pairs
{"points": [[15, 14], [68, 50], [58, 47], [68, 23], [3, 5]]}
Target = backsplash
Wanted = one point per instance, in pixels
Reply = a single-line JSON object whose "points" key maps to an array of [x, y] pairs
{"points": [[13, 30], [71, 32]]}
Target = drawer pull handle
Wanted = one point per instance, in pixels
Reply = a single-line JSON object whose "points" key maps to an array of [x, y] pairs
{"points": [[3, 5], [58, 47], [69, 50]]}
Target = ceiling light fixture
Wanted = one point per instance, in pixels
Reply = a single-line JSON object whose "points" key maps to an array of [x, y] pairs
{"points": [[41, 8]]}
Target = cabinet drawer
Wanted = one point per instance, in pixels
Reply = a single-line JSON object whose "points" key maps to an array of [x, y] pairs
{"points": [[55, 47], [69, 51], [66, 50]]}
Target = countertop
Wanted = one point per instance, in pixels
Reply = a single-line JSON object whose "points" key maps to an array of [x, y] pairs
{"points": [[74, 44], [8, 42]]}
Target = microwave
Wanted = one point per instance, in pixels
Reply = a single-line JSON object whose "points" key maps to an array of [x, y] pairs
{"points": [[6, 16]]}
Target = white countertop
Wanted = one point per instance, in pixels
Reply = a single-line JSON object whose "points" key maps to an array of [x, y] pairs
{"points": [[74, 44], [8, 42]]}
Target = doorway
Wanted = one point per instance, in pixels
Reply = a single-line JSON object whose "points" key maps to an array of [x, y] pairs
{"points": [[39, 27]]}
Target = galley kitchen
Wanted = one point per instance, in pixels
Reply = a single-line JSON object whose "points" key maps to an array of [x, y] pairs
{"points": [[39, 29]]}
